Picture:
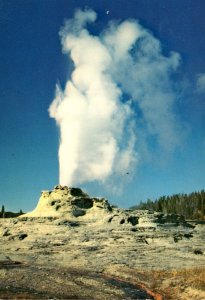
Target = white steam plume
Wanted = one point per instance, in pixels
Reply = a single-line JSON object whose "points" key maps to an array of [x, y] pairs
{"points": [[116, 75]]}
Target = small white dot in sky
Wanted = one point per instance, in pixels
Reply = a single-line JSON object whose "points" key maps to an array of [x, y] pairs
{"points": [[107, 12]]}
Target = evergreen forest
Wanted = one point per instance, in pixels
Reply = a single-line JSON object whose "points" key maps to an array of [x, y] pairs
{"points": [[191, 206], [9, 214]]}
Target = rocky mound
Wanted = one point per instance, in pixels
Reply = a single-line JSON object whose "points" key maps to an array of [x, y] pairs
{"points": [[69, 202], [73, 203]]}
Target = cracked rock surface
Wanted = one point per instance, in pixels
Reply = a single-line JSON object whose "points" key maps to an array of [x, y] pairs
{"points": [[72, 246]]}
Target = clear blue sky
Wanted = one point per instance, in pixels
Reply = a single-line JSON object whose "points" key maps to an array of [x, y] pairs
{"points": [[31, 63]]}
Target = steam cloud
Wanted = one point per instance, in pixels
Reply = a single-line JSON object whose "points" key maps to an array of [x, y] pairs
{"points": [[120, 89], [201, 83]]}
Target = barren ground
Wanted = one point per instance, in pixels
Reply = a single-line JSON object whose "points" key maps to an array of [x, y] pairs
{"points": [[44, 258]]}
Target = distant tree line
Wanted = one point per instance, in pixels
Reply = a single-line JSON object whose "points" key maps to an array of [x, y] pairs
{"points": [[9, 214], [191, 206]]}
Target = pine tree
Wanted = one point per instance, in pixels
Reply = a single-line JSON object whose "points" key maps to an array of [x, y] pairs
{"points": [[2, 211]]}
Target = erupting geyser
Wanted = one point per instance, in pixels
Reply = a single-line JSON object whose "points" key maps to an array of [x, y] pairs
{"points": [[120, 90]]}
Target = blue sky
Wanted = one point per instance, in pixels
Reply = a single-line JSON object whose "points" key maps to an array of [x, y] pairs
{"points": [[32, 62]]}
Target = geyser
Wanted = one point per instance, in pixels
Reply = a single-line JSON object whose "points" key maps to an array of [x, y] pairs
{"points": [[120, 79]]}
